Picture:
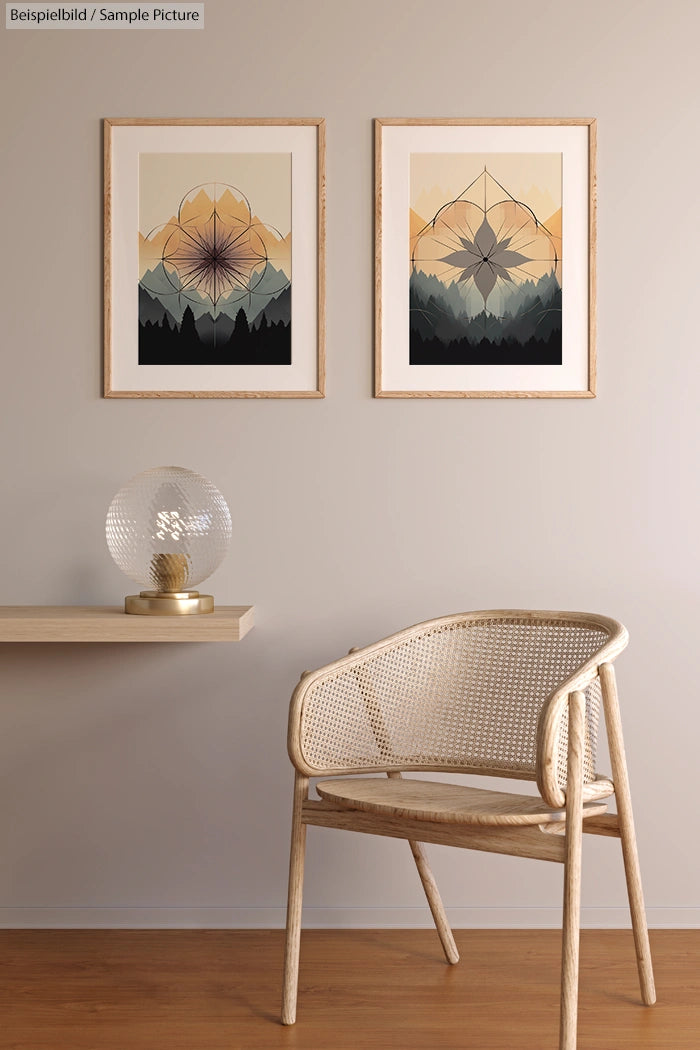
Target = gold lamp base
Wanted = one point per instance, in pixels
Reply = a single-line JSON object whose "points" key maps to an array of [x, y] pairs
{"points": [[169, 603]]}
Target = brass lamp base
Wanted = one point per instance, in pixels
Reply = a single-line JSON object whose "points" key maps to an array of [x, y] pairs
{"points": [[169, 603]]}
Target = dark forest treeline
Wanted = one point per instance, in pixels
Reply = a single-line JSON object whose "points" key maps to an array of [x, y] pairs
{"points": [[161, 343], [442, 333], [485, 352]]}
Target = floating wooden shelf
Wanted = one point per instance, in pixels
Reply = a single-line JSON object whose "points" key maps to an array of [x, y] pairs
{"points": [[107, 623]]}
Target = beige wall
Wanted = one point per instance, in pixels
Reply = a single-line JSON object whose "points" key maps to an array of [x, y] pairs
{"points": [[149, 784]]}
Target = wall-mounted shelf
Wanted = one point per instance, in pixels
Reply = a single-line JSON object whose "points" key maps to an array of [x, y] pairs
{"points": [[107, 623]]}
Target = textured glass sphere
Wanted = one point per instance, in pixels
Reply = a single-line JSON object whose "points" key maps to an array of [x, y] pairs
{"points": [[168, 529]]}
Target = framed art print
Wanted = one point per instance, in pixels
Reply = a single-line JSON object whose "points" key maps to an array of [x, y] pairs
{"points": [[214, 258], [485, 274]]}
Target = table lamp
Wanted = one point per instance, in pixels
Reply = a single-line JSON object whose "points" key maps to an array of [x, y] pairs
{"points": [[168, 529]]}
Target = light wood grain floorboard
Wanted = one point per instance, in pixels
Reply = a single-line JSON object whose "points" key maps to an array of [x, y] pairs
{"points": [[358, 990]]}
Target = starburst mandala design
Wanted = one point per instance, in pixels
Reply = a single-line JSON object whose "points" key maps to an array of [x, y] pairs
{"points": [[215, 249], [215, 256]]}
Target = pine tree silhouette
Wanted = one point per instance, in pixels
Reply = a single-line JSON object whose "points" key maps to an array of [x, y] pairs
{"points": [[188, 329], [241, 331]]}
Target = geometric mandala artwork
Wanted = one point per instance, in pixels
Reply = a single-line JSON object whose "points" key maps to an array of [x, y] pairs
{"points": [[210, 289], [485, 268], [215, 282]]}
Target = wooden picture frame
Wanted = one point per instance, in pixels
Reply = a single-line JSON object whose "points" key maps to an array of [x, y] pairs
{"points": [[205, 233], [497, 219]]}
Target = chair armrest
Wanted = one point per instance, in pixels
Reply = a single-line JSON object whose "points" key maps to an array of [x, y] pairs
{"points": [[552, 729]]}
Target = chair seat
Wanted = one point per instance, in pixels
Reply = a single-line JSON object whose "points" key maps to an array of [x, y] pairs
{"points": [[443, 803]]}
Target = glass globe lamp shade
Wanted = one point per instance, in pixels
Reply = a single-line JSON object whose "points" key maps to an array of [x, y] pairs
{"points": [[168, 529]]}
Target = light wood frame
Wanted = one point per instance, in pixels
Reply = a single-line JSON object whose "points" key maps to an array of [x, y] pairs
{"points": [[587, 387], [491, 825], [316, 386]]}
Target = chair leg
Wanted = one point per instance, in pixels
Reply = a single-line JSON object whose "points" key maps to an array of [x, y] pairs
{"points": [[627, 835], [572, 874], [432, 893], [435, 902], [294, 901]]}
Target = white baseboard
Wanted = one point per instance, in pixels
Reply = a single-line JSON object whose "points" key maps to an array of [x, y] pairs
{"points": [[331, 918]]}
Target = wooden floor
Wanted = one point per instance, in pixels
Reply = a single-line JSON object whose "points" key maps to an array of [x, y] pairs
{"points": [[359, 990]]}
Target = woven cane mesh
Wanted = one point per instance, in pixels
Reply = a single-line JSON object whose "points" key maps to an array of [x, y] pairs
{"points": [[459, 694], [593, 701]]}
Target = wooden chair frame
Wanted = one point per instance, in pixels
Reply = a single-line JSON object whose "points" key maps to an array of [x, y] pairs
{"points": [[557, 839]]}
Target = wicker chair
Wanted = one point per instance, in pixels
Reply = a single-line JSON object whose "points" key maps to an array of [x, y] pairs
{"points": [[510, 694]]}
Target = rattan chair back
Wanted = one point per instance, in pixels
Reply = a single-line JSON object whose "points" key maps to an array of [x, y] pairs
{"points": [[474, 693]]}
